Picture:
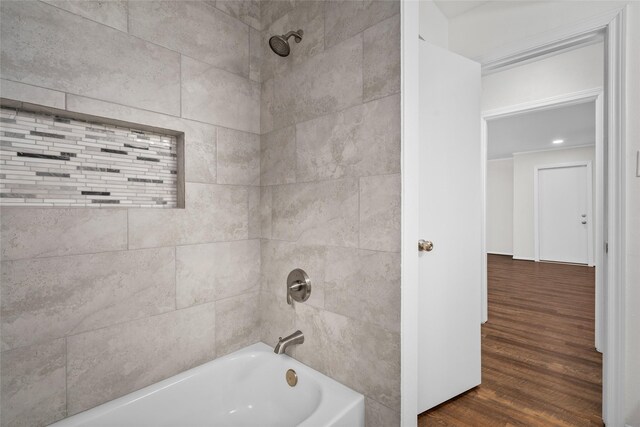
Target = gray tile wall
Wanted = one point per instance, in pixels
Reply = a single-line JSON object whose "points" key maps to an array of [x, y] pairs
{"points": [[96, 303], [289, 162], [330, 196]]}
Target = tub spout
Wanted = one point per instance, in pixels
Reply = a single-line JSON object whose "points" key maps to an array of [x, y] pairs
{"points": [[295, 338]]}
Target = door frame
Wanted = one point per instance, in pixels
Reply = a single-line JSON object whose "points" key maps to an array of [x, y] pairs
{"points": [[589, 95], [536, 211], [612, 23]]}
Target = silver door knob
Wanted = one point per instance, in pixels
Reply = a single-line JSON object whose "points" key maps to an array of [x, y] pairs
{"points": [[425, 245]]}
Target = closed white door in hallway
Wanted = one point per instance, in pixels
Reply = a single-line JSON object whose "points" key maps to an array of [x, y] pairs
{"points": [[564, 213]]}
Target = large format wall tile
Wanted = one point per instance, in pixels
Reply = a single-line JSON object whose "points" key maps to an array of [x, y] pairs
{"points": [[32, 94], [317, 213], [200, 152], [344, 18], [255, 213], [37, 232], [381, 62], [215, 96], [378, 415], [274, 9], [380, 212], [364, 285], [358, 354], [111, 362], [278, 157], [194, 29], [48, 47], [214, 271], [238, 157], [247, 11], [307, 16], [112, 13], [280, 258], [48, 298], [320, 143], [256, 48], [327, 82], [362, 140], [265, 212], [237, 323], [213, 213], [277, 318], [33, 385]]}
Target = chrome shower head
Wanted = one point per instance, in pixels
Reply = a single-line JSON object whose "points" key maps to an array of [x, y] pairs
{"points": [[280, 44]]}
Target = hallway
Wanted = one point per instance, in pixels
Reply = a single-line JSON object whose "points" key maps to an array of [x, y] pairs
{"points": [[539, 365]]}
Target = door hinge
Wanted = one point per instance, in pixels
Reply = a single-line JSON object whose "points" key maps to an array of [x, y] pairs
{"points": [[606, 247]]}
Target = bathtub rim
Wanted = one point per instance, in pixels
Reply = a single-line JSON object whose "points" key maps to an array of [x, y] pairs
{"points": [[332, 392]]}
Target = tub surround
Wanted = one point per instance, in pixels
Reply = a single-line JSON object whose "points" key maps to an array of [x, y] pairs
{"points": [[289, 163], [97, 303], [330, 165]]}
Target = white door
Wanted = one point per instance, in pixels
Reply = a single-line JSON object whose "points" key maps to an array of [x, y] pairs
{"points": [[564, 213], [450, 217]]}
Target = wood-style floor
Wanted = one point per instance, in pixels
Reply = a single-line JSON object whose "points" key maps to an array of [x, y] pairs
{"points": [[539, 365]]}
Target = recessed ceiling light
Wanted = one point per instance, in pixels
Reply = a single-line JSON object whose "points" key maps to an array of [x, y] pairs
{"points": [[558, 141]]}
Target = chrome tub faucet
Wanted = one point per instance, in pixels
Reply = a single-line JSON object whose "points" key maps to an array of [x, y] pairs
{"points": [[295, 338]]}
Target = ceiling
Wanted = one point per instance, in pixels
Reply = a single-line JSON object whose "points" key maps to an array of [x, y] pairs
{"points": [[453, 8], [535, 130]]}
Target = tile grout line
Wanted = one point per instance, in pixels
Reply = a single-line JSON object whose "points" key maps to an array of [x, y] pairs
{"points": [[137, 319], [126, 250], [217, 145], [128, 17], [359, 212], [362, 69]]}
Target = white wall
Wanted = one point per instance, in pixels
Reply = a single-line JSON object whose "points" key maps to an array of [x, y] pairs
{"points": [[567, 72], [523, 194], [434, 26], [494, 25], [500, 206]]}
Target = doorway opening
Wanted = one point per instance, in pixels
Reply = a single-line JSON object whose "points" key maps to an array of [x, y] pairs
{"points": [[539, 362], [611, 270]]}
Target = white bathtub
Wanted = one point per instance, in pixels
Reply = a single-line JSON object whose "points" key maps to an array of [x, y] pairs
{"points": [[245, 388]]}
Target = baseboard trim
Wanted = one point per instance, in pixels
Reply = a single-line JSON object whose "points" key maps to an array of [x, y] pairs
{"points": [[499, 253], [523, 258]]}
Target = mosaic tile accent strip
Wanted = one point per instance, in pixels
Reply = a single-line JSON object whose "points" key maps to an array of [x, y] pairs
{"points": [[55, 161]]}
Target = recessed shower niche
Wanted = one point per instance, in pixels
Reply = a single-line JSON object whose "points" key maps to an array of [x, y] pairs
{"points": [[62, 160]]}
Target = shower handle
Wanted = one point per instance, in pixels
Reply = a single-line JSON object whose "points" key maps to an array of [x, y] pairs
{"points": [[298, 286]]}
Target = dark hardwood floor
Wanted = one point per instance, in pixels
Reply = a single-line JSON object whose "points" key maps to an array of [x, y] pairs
{"points": [[539, 365]]}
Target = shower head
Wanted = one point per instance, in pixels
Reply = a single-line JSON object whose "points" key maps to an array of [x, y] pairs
{"points": [[280, 44]]}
